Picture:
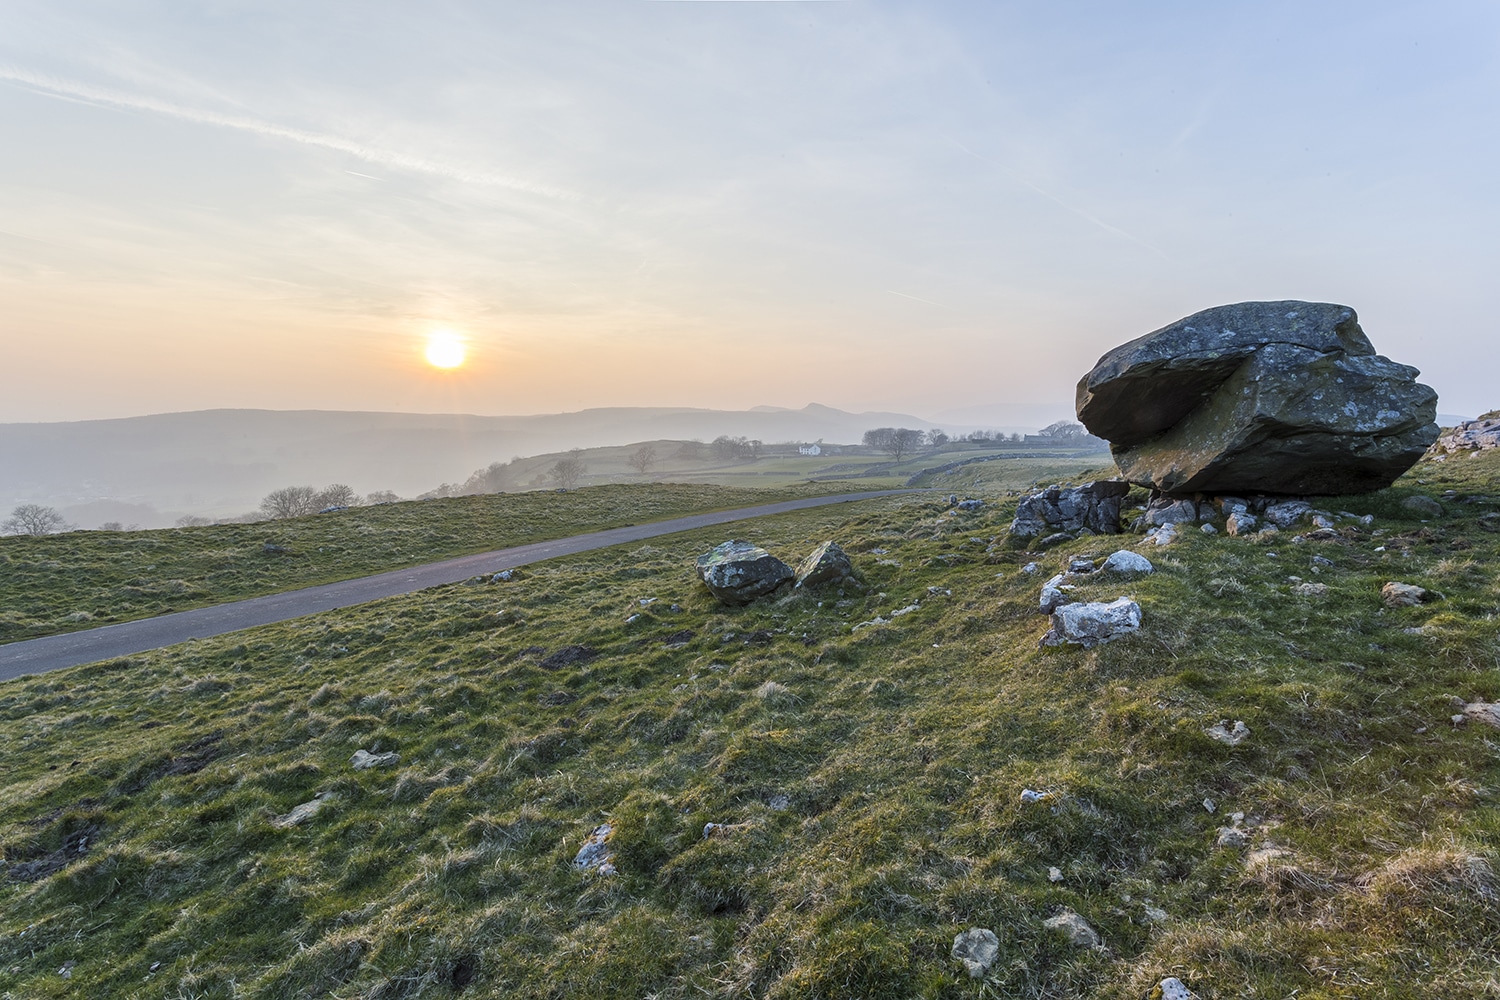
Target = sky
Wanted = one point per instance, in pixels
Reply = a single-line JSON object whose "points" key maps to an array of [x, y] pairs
{"points": [[947, 209]]}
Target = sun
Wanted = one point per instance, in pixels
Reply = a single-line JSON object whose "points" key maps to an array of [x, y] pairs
{"points": [[444, 349]]}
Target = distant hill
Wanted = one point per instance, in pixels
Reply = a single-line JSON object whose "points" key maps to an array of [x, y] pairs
{"points": [[221, 462]]}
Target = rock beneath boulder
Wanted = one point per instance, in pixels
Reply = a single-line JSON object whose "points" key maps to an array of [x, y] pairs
{"points": [[1162, 510], [1277, 397], [1089, 624], [828, 563], [1422, 506], [1240, 523], [1095, 507], [738, 572], [1075, 929], [1286, 513], [1126, 562], [977, 948], [1405, 595], [1055, 593]]}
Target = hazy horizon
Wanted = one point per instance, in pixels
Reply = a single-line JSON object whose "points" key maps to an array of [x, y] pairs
{"points": [[874, 205]]}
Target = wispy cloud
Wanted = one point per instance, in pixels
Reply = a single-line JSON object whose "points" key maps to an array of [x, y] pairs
{"points": [[70, 90], [1081, 213]]}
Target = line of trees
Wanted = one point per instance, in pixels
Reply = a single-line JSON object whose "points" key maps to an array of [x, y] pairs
{"points": [[898, 442], [729, 448], [298, 501]]}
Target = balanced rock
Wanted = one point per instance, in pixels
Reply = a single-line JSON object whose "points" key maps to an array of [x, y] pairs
{"points": [[1094, 507], [1275, 397], [739, 572], [826, 564]]}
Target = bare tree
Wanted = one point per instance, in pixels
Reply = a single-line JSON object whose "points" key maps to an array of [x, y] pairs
{"points": [[382, 496], [290, 501], [642, 458], [895, 441], [1064, 430], [336, 495], [568, 472], [727, 448], [936, 439], [192, 521], [33, 519]]}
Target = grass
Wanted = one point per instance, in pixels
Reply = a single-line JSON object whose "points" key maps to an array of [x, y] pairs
{"points": [[82, 579], [870, 780]]}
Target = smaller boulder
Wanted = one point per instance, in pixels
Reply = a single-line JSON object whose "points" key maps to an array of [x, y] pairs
{"points": [[828, 563], [363, 760], [1422, 506], [1126, 562], [738, 572], [595, 852], [1287, 512], [1168, 510], [1404, 595], [1472, 436], [1171, 988], [1229, 735], [1054, 594], [977, 948], [1092, 623], [1094, 507]]}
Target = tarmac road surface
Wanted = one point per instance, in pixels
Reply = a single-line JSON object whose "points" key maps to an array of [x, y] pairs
{"points": [[54, 652]]}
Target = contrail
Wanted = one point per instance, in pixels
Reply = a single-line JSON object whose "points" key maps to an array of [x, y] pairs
{"points": [[915, 298], [1062, 204], [71, 90]]}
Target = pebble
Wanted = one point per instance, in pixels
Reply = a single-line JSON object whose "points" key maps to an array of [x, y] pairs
{"points": [[1209, 529], [1229, 735], [1054, 874], [1029, 796], [1171, 988], [363, 760], [1075, 929]]}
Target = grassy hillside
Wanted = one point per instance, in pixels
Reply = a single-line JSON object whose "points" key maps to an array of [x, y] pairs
{"points": [[60, 583], [869, 780]]}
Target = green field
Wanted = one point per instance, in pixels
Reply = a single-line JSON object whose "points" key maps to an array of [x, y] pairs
{"points": [[82, 579], [870, 779]]}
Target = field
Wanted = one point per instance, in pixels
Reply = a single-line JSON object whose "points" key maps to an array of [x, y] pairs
{"points": [[867, 777]]}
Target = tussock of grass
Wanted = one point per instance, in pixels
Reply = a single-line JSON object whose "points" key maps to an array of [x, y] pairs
{"points": [[868, 782]]}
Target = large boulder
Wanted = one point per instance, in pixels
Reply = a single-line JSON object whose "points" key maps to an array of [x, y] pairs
{"points": [[1094, 507], [1270, 397], [739, 572]]}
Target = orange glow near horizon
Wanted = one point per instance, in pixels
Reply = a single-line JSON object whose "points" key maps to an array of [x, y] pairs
{"points": [[445, 350]]}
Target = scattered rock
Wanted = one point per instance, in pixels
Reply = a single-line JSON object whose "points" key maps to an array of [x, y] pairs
{"points": [[1171, 988], [1422, 506], [1482, 711], [1320, 561], [1054, 594], [1287, 512], [977, 948], [1029, 796], [1310, 589], [1404, 595], [1472, 436], [1240, 523], [1075, 929], [778, 802], [1092, 623], [1054, 874], [1282, 397], [1155, 914], [1234, 837], [1051, 540], [567, 656], [738, 572], [302, 813], [1209, 529], [680, 638], [1031, 567], [1232, 736], [1165, 535], [1080, 564], [1094, 507], [504, 576], [1127, 563], [595, 852], [828, 563], [971, 506], [363, 760]]}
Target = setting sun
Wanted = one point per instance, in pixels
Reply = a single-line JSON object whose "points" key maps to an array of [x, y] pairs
{"points": [[445, 350]]}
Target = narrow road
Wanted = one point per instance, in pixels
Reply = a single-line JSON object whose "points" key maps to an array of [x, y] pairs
{"points": [[54, 652]]}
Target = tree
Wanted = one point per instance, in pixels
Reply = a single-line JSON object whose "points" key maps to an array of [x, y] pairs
{"points": [[33, 519], [192, 521], [1063, 430], [336, 495], [568, 472], [490, 479], [730, 448], [290, 501], [642, 458], [982, 437], [894, 441], [936, 439], [382, 496]]}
